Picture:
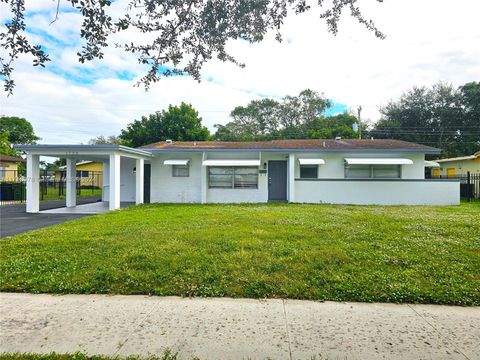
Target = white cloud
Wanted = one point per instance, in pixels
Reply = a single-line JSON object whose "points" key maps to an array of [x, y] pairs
{"points": [[427, 41]]}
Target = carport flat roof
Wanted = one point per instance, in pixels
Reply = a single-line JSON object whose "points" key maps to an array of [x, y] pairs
{"points": [[68, 149]]}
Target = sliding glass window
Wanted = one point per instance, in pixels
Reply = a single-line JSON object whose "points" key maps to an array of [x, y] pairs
{"points": [[373, 171], [233, 177]]}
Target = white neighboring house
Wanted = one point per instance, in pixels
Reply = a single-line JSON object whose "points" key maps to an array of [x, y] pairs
{"points": [[364, 172]]}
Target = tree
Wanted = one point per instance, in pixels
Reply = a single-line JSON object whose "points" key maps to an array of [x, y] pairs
{"points": [[102, 140], [256, 121], [440, 116], [182, 35], [180, 123], [469, 142], [18, 130], [268, 119], [6, 145], [330, 127]]}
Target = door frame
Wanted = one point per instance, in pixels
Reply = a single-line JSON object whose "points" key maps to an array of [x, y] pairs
{"points": [[269, 179]]}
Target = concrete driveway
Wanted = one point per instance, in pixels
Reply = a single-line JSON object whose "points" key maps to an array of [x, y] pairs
{"points": [[225, 328], [14, 219]]}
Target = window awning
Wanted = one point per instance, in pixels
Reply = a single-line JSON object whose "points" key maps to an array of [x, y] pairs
{"points": [[378, 161], [231, 163], [311, 161], [176, 162], [431, 164]]}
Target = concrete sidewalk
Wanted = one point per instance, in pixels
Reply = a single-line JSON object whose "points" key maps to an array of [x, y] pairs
{"points": [[224, 328]]}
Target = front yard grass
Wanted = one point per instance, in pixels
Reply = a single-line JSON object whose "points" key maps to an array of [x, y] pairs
{"points": [[320, 252]]}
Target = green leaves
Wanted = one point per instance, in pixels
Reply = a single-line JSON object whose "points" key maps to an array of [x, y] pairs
{"points": [[179, 123], [440, 116], [185, 34], [293, 117]]}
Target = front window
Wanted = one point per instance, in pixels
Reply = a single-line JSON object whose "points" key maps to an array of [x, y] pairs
{"points": [[82, 174], [233, 177], [308, 171], [373, 171], [180, 171]]}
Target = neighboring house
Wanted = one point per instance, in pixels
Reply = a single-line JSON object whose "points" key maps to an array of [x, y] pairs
{"points": [[90, 173], [9, 167], [387, 172], [457, 166]]}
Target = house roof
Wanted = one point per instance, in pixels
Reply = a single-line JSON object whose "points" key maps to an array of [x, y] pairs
{"points": [[78, 163], [355, 145], [10, 158], [470, 157]]}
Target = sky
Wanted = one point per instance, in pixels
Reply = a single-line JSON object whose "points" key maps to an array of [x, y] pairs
{"points": [[67, 102]]}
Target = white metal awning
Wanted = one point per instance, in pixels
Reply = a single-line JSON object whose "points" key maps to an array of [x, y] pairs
{"points": [[378, 161], [176, 162], [431, 164], [231, 163], [311, 161]]}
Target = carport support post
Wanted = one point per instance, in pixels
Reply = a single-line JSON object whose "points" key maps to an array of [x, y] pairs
{"points": [[291, 178], [139, 181], [71, 199], [33, 182], [114, 178]]}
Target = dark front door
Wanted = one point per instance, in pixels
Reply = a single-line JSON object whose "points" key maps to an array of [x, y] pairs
{"points": [[277, 180], [146, 183]]}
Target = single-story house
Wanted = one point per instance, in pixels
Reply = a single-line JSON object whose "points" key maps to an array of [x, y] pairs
{"points": [[9, 167], [457, 166], [385, 172]]}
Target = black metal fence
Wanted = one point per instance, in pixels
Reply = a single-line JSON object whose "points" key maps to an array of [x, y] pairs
{"points": [[52, 186], [469, 185]]}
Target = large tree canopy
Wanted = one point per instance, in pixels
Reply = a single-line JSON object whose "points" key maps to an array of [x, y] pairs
{"points": [[440, 116], [293, 117], [181, 35], [18, 130], [180, 123]]}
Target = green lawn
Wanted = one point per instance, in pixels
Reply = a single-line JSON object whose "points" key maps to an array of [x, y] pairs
{"points": [[322, 252]]}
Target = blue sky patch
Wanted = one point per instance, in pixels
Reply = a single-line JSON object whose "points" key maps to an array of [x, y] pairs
{"points": [[337, 108]]}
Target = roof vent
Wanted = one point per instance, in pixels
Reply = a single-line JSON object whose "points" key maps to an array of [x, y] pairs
{"points": [[168, 141], [338, 138]]}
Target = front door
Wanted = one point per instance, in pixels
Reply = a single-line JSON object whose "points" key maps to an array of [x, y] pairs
{"points": [[277, 180], [147, 169]]}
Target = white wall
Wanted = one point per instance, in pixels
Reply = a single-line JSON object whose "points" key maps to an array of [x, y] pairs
{"points": [[334, 167], [367, 192], [127, 180], [168, 189]]}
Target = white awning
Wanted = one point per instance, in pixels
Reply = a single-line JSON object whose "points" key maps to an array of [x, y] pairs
{"points": [[431, 164], [176, 162], [231, 163], [378, 161], [311, 161]]}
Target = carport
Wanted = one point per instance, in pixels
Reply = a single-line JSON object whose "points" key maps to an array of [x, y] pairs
{"points": [[123, 172]]}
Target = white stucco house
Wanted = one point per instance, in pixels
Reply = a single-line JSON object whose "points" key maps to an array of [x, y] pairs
{"points": [[384, 172]]}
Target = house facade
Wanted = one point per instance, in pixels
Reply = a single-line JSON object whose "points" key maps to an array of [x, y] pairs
{"points": [[457, 166], [364, 172], [89, 173], [9, 167]]}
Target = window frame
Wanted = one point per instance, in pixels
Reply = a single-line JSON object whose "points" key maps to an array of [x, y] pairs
{"points": [[309, 167], [180, 167], [233, 183]]}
